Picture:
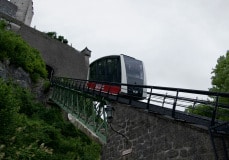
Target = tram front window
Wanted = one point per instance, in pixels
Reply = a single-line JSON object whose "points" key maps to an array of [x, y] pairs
{"points": [[134, 68]]}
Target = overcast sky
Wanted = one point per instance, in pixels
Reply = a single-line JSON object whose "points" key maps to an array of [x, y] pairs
{"points": [[179, 41]]}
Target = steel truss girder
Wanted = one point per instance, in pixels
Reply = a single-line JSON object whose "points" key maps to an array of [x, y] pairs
{"points": [[88, 109]]}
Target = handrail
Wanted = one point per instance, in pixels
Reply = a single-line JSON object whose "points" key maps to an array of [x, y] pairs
{"points": [[204, 92], [175, 102]]}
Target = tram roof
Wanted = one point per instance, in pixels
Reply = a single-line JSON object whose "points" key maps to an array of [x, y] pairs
{"points": [[111, 56]]}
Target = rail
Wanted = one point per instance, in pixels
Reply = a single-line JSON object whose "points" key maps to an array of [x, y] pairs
{"points": [[194, 106]]}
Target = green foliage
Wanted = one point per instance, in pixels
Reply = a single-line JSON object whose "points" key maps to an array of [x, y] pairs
{"points": [[14, 48], [220, 79], [220, 83], [65, 41], [46, 86], [59, 38], [202, 110], [9, 107], [52, 34], [223, 114], [30, 131], [207, 111], [2, 24]]}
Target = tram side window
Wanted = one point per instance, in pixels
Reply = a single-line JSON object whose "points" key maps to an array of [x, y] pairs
{"points": [[113, 70], [110, 70], [93, 74], [106, 69], [101, 70]]}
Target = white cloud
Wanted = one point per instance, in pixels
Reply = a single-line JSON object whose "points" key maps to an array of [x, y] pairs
{"points": [[179, 41]]}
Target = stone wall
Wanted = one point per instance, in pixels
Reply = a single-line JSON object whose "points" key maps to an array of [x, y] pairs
{"points": [[8, 8], [154, 137], [64, 59]]}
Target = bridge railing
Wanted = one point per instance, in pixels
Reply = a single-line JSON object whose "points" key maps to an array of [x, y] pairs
{"points": [[194, 106], [212, 106]]}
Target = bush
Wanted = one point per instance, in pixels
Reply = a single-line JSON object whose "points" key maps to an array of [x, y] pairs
{"points": [[14, 48], [9, 107], [29, 130]]}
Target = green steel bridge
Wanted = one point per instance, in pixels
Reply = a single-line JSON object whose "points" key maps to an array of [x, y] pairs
{"points": [[89, 105]]}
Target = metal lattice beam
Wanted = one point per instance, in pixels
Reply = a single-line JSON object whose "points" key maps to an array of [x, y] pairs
{"points": [[88, 109]]}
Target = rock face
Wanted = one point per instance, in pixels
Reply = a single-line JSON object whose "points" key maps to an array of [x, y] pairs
{"points": [[17, 74], [22, 78]]}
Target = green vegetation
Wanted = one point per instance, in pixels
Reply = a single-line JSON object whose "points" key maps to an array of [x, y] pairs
{"points": [[220, 79], [205, 110], [220, 83], [29, 130], [19, 53], [59, 38]]}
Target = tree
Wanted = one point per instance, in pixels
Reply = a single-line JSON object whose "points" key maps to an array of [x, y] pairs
{"points": [[220, 83], [220, 79]]}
